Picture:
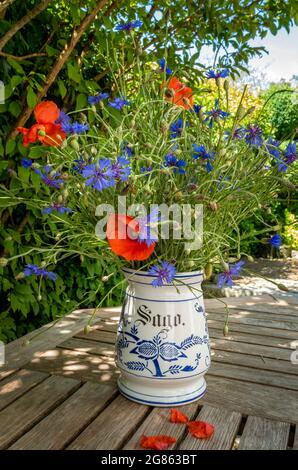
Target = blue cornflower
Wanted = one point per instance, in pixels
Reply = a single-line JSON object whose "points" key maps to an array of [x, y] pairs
{"points": [[130, 25], [128, 149], [176, 128], [163, 66], [254, 135], [49, 178], [238, 133], [56, 207], [197, 108], [226, 277], [171, 161], [148, 228], [272, 147], [290, 154], [275, 241], [33, 270], [201, 152], [80, 164], [146, 169], [26, 163], [99, 176], [93, 100], [215, 114], [118, 103], [63, 118], [164, 274], [121, 169], [216, 75], [75, 127]]}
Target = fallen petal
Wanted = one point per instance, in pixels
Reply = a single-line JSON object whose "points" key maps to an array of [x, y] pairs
{"points": [[161, 442], [200, 429], [177, 416]]}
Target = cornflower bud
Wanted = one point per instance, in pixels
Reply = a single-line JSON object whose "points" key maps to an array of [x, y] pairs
{"points": [[3, 262], [208, 271], [213, 206]]}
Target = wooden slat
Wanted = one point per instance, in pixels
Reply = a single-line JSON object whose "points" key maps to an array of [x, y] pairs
{"points": [[295, 444], [98, 335], [264, 434], [76, 364], [14, 386], [226, 424], [48, 336], [264, 308], [254, 329], [158, 423], [90, 347], [251, 338], [254, 350], [5, 371], [252, 399], [257, 321], [60, 427], [258, 362], [112, 427], [25, 412], [248, 374]]}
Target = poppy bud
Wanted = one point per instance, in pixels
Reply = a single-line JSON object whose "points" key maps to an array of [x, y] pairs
{"points": [[213, 206], [208, 271], [39, 298], [178, 195], [75, 144], [93, 150], [283, 287], [225, 266], [226, 86], [169, 92], [250, 258], [60, 199], [226, 330], [58, 236], [87, 329], [83, 117], [43, 264], [3, 262]]}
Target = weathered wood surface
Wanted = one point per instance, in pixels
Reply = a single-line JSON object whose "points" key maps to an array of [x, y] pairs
{"points": [[60, 391]]}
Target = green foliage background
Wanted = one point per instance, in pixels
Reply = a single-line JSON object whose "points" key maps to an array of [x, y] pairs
{"points": [[177, 29]]}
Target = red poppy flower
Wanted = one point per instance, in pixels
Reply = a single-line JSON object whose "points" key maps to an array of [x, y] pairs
{"points": [[177, 416], [122, 235], [200, 429], [46, 112], [161, 442], [178, 93], [47, 134]]}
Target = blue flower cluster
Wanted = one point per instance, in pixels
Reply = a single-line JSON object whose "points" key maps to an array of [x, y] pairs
{"points": [[105, 173], [163, 273], [70, 127], [33, 270], [93, 100]]}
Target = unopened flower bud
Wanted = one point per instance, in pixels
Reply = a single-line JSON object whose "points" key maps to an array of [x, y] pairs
{"points": [[178, 195], [43, 264], [93, 150], [75, 144], [225, 266], [65, 176], [226, 85], [225, 330], [213, 206], [87, 329], [60, 198], [58, 236], [19, 276], [39, 297], [65, 193], [250, 258], [82, 258], [283, 287], [241, 112], [83, 117], [251, 110], [3, 262], [208, 270]]}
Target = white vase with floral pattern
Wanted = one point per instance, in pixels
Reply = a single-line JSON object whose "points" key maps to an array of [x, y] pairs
{"points": [[162, 345]]}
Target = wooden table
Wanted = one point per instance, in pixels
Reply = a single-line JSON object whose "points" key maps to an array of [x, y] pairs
{"points": [[59, 392]]}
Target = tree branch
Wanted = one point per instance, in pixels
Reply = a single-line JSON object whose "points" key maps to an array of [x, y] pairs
{"points": [[64, 55], [5, 4], [23, 21], [23, 57]]}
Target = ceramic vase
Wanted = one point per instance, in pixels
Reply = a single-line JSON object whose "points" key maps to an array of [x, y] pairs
{"points": [[162, 347]]}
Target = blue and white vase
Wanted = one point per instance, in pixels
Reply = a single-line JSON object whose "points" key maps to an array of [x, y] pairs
{"points": [[162, 344]]}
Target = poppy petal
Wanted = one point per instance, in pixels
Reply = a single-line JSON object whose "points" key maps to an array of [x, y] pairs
{"points": [[177, 416], [161, 442], [46, 112], [118, 229], [200, 429]]}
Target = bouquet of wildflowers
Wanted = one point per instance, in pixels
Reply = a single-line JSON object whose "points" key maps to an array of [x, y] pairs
{"points": [[150, 177]]}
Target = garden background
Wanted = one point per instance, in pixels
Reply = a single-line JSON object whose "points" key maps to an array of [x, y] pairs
{"points": [[67, 50]]}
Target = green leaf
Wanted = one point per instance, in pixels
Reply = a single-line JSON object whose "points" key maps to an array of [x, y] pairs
{"points": [[15, 108], [74, 72], [81, 101], [62, 88], [3, 164], [10, 146], [16, 66], [31, 97]]}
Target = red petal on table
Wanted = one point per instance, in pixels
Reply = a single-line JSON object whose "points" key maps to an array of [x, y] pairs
{"points": [[161, 442], [200, 429], [177, 416]]}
